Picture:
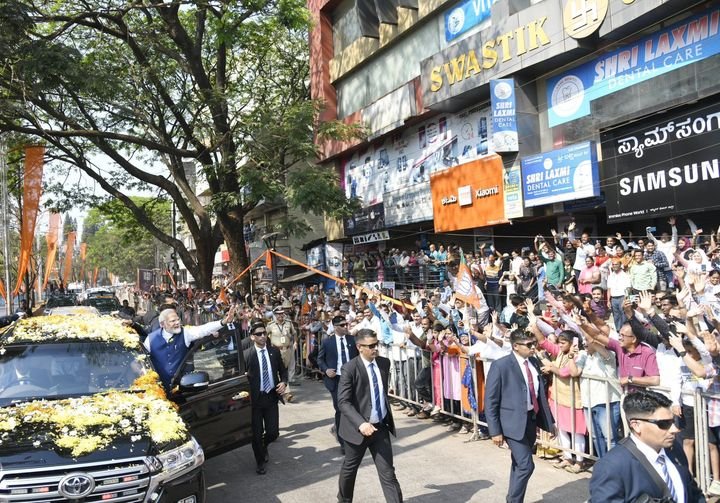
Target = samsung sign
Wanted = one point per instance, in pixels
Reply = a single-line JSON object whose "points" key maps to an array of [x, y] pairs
{"points": [[465, 16], [667, 166], [561, 175]]}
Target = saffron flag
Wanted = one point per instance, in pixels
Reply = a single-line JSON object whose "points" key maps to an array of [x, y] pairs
{"points": [[2, 290], [95, 275], [69, 249], [32, 188], [83, 254], [268, 260], [222, 296], [51, 238], [465, 286]]}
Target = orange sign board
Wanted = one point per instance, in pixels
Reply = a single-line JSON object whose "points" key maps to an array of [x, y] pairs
{"points": [[469, 195]]}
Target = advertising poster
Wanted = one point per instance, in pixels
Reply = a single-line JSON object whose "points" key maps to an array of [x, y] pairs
{"points": [[561, 175], [366, 220], [667, 165], [484, 179], [465, 16], [410, 157], [512, 184], [316, 257], [333, 259], [504, 120], [569, 94], [408, 206]]}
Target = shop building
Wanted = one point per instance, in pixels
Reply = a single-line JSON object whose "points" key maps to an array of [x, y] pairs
{"points": [[498, 120]]}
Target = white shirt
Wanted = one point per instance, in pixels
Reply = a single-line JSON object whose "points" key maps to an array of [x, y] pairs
{"points": [[338, 345], [533, 371], [374, 419], [489, 350], [618, 283], [190, 334], [652, 456], [263, 353]]}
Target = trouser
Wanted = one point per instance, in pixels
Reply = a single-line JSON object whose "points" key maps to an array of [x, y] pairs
{"points": [[333, 394], [598, 416], [522, 465], [381, 451], [423, 384], [566, 443], [412, 372], [265, 424], [616, 304]]}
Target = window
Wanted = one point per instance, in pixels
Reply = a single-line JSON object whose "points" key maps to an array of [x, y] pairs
{"points": [[218, 357]]}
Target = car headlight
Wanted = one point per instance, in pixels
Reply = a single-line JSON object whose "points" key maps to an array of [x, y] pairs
{"points": [[175, 462]]}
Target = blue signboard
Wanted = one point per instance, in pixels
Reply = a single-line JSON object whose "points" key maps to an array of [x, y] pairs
{"points": [[465, 16], [561, 175], [504, 120], [570, 93]]}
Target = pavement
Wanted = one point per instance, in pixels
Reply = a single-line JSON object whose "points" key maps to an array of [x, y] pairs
{"points": [[431, 464]]}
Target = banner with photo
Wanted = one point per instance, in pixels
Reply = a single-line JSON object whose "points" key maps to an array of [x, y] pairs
{"points": [[371, 218], [693, 39], [666, 165], [334, 259], [410, 157], [504, 115], [466, 16]]}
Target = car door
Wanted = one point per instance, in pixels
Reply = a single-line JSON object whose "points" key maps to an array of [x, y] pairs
{"points": [[219, 417]]}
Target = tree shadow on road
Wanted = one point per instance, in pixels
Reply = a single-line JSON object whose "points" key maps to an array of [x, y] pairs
{"points": [[456, 492], [567, 492]]}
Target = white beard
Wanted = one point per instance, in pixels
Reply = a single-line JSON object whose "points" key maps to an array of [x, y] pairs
{"points": [[174, 331]]}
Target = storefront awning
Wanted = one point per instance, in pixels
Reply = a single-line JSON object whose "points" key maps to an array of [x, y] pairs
{"points": [[297, 277]]}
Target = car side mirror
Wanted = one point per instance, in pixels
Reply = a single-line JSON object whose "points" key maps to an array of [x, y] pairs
{"points": [[194, 382]]}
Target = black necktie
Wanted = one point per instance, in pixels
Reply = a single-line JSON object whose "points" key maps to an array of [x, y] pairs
{"points": [[343, 358]]}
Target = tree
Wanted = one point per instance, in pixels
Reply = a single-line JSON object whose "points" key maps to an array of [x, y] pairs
{"points": [[149, 85], [116, 242]]}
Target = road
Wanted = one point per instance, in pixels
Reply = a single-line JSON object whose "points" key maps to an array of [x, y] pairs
{"points": [[432, 464]]}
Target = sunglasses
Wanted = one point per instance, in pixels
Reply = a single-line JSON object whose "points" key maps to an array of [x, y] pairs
{"points": [[663, 424], [529, 344], [369, 346]]}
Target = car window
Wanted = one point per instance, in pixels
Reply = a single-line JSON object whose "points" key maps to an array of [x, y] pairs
{"points": [[218, 357]]}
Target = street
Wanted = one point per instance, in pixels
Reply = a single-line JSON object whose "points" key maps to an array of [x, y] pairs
{"points": [[431, 464]]}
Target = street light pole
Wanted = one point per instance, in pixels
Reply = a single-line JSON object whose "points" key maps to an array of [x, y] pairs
{"points": [[5, 224], [270, 240]]}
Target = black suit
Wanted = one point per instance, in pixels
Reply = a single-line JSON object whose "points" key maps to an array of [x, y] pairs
{"points": [[506, 411], [328, 358], [355, 403], [619, 476], [265, 416]]}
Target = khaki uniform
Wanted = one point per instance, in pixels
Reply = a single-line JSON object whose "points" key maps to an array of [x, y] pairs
{"points": [[283, 337]]}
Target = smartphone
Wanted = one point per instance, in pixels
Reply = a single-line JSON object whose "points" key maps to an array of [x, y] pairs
{"points": [[651, 229], [575, 342], [703, 268]]}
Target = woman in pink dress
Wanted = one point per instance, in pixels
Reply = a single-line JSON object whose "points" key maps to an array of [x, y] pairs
{"points": [[589, 276], [564, 394]]}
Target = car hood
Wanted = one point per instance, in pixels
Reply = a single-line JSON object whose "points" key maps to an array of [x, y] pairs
{"points": [[28, 455]]}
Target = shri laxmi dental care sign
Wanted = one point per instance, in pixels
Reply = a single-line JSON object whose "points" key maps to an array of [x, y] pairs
{"points": [[667, 165]]}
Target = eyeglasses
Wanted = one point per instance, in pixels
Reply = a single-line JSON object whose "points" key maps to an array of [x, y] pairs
{"points": [[663, 424], [369, 346], [260, 333], [528, 344]]}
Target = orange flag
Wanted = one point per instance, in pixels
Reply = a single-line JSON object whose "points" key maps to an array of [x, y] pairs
{"points": [[268, 260], [32, 188], [2, 290], [83, 254], [465, 286], [222, 296], [51, 238], [95, 274], [67, 270]]}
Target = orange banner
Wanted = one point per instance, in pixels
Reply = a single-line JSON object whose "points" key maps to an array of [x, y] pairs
{"points": [[51, 238], [469, 195], [83, 254], [2, 290], [69, 249], [95, 275], [32, 188]]}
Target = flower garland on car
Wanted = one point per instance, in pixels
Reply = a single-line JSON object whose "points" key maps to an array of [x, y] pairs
{"points": [[87, 424], [61, 328]]}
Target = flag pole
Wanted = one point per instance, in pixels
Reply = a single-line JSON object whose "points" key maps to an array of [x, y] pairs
{"points": [[5, 223]]}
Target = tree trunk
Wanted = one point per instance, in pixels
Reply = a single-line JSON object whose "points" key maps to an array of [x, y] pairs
{"points": [[231, 225]]}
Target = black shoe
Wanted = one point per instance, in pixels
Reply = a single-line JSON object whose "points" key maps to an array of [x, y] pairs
{"points": [[260, 470]]}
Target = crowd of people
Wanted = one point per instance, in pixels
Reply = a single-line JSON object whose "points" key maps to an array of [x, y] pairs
{"points": [[608, 316]]}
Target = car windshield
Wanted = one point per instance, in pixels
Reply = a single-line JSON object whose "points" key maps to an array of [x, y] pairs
{"points": [[60, 301], [104, 304], [53, 371]]}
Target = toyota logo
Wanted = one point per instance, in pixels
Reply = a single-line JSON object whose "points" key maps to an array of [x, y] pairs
{"points": [[76, 486]]}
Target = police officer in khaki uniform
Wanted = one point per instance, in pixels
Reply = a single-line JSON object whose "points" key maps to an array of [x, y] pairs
{"points": [[283, 336]]}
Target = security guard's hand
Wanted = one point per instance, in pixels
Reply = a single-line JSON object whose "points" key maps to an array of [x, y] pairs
{"points": [[367, 429]]}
